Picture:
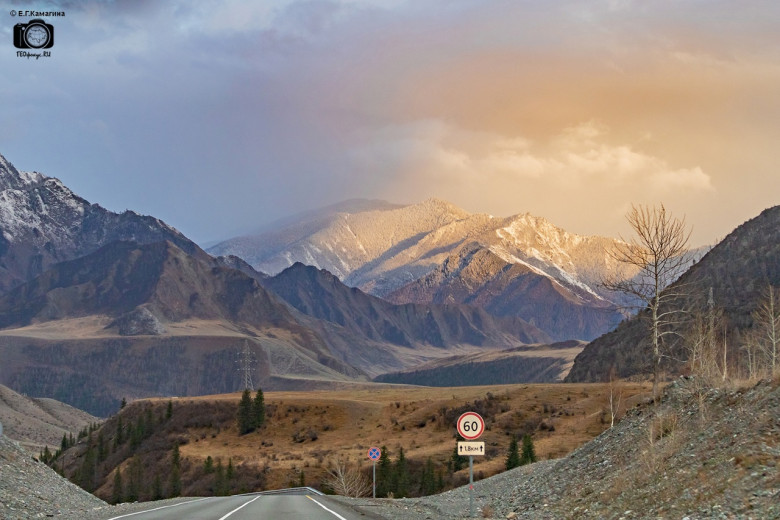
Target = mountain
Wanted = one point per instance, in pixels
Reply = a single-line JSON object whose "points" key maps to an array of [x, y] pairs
{"points": [[434, 252], [342, 239], [132, 320], [39, 422], [319, 294], [737, 270], [42, 223], [476, 275]]}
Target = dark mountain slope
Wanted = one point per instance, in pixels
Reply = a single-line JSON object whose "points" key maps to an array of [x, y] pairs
{"points": [[319, 294], [736, 270], [121, 276]]}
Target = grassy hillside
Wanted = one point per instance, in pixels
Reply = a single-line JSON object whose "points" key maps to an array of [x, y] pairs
{"points": [[306, 432]]}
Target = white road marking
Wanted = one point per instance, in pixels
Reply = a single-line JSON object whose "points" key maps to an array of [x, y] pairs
{"points": [[158, 508], [325, 508], [241, 506]]}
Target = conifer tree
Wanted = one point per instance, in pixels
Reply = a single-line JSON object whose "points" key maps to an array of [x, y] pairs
{"points": [[175, 476], [529, 455], [157, 493], [101, 447], [245, 415], [457, 462], [428, 479], [116, 493], [220, 485], [258, 409], [169, 410], [513, 457], [120, 432], [87, 470], [134, 480], [401, 476], [208, 465], [384, 474], [230, 472]]}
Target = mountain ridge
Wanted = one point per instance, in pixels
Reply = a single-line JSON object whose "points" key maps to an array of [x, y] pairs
{"points": [[43, 222]]}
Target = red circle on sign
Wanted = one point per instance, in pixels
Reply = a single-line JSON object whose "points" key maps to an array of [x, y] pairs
{"points": [[374, 453], [470, 425]]}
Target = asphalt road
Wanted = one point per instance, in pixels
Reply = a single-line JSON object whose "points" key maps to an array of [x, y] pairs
{"points": [[249, 507]]}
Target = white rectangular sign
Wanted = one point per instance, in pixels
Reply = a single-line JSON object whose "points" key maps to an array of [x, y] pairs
{"points": [[466, 449]]}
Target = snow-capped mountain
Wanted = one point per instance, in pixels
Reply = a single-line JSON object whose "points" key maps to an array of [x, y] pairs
{"points": [[42, 222], [402, 253]]}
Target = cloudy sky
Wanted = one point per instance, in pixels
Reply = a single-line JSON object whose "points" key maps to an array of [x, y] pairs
{"points": [[219, 117]]}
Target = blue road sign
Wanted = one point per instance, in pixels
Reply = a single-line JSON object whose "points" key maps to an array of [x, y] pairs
{"points": [[374, 453]]}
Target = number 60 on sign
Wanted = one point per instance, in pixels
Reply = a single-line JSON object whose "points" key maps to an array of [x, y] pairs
{"points": [[470, 425]]}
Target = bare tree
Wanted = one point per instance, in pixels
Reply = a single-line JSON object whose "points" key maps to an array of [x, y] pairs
{"points": [[615, 395], [766, 326], [347, 481], [659, 254], [702, 341]]}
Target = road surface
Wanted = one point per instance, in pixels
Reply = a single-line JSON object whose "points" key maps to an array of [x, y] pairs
{"points": [[249, 507]]}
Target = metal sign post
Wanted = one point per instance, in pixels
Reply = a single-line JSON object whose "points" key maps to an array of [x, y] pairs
{"points": [[470, 426], [374, 453], [471, 486]]}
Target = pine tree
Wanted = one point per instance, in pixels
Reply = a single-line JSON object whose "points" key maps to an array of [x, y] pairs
{"points": [[123, 403], [46, 456], [101, 447], [169, 410], [120, 431], [157, 493], [401, 476], [513, 457], [529, 455], [384, 474], [208, 465], [258, 409], [301, 480], [245, 415], [231, 472], [134, 479], [457, 462], [428, 479], [220, 487], [116, 493], [87, 470], [175, 476]]}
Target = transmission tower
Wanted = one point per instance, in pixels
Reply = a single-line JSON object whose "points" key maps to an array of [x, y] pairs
{"points": [[246, 365]]}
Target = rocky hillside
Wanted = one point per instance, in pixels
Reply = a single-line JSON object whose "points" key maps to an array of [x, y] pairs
{"points": [[737, 270], [42, 222], [702, 453], [30, 489], [39, 422]]}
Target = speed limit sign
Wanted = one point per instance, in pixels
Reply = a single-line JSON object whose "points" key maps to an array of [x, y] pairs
{"points": [[471, 425]]}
